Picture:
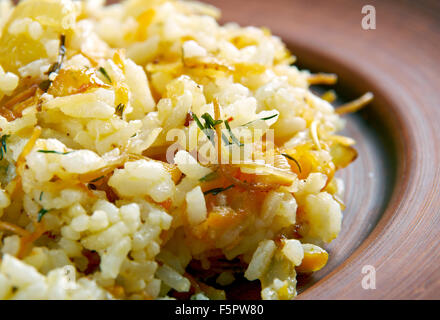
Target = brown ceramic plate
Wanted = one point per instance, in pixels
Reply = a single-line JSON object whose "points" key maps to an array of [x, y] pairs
{"points": [[392, 221]]}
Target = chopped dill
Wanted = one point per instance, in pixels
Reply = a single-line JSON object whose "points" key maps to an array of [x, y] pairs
{"points": [[209, 121], [55, 152], [120, 109], [105, 74], [263, 119], [209, 127], [269, 117], [294, 160], [209, 177], [216, 191], [41, 214], [96, 179], [3, 148], [55, 68], [231, 134], [196, 119]]}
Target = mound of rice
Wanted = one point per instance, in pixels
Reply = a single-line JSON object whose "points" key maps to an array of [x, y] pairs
{"points": [[94, 205]]}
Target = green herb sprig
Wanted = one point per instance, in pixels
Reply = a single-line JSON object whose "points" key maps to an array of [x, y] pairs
{"points": [[55, 68], [231, 134], [3, 147], [294, 160], [96, 179], [216, 191], [55, 152], [263, 119], [120, 109], [209, 129], [41, 214], [105, 74]]}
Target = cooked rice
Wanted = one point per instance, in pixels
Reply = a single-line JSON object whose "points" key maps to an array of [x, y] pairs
{"points": [[90, 208]]}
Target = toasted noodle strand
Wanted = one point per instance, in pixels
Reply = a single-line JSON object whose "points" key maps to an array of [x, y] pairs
{"points": [[26, 241], [22, 96], [322, 78], [15, 184], [7, 114], [355, 105], [28, 148], [8, 111], [217, 131], [13, 228]]}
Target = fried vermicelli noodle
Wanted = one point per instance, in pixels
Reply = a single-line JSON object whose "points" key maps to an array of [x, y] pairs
{"points": [[96, 200]]}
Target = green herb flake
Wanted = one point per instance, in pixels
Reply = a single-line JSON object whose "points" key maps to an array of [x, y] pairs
{"points": [[55, 68], [120, 109], [269, 117], [105, 74], [294, 160], [41, 214], [41, 195], [3, 148], [263, 119], [96, 179], [231, 134], [209, 121], [196, 119], [54, 152], [209, 177], [226, 139], [208, 127], [216, 191]]}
